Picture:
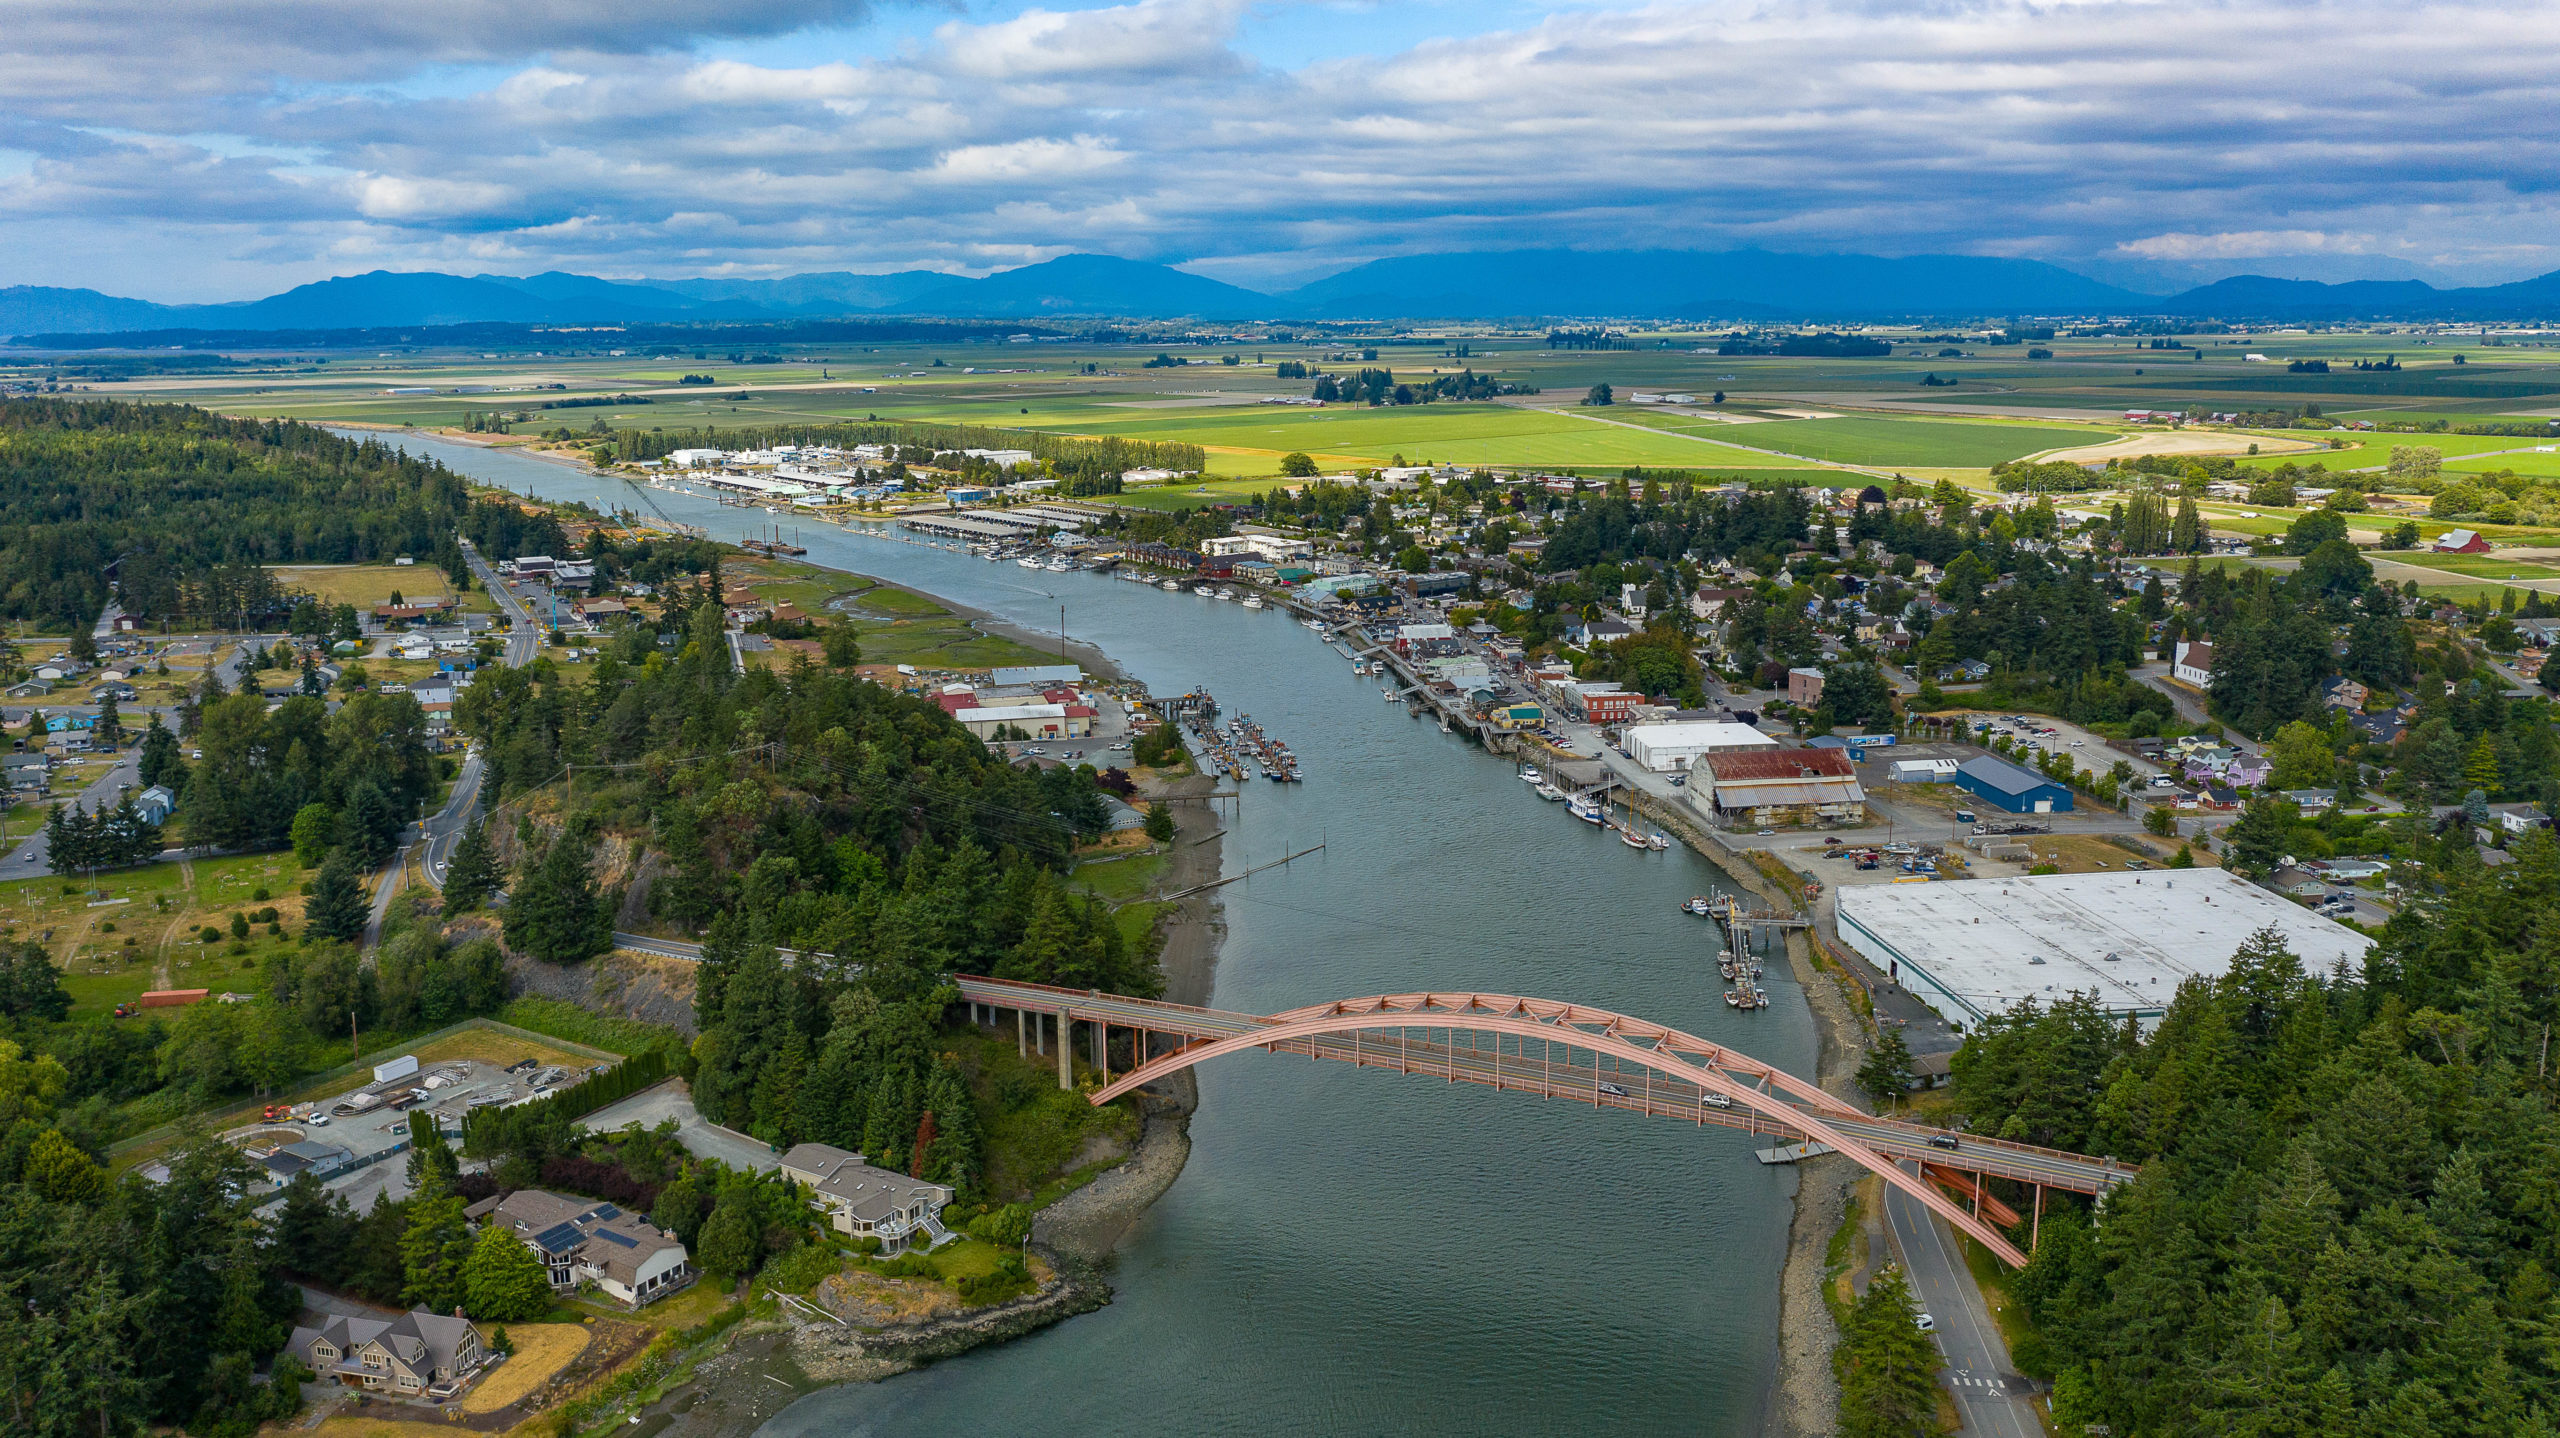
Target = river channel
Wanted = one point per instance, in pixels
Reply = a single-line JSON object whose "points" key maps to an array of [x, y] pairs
{"points": [[1349, 1252]]}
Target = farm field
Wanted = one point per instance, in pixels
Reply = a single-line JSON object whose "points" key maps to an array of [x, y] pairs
{"points": [[2476, 566], [1248, 441], [2528, 461], [366, 585], [1874, 440]]}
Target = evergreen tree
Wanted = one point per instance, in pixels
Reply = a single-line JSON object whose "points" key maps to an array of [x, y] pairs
{"points": [[433, 1251], [502, 1281], [1889, 1386], [1886, 1072], [730, 1244], [554, 909], [472, 873], [108, 728], [337, 908], [160, 762], [953, 1160]]}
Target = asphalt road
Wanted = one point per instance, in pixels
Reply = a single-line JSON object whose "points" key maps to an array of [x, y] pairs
{"points": [[1991, 1399], [32, 858]]}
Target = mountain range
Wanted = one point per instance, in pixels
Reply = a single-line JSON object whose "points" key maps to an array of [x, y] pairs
{"points": [[1516, 284]]}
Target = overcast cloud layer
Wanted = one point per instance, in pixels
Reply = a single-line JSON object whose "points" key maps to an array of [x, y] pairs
{"points": [[202, 151]]}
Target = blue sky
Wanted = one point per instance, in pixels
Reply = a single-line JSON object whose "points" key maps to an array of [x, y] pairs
{"points": [[280, 141]]}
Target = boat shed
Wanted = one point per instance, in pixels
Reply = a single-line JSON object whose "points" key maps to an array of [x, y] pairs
{"points": [[2003, 785], [1970, 948]]}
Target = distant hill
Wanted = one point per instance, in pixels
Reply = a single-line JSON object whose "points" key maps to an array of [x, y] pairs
{"points": [[40, 309], [1515, 284], [1093, 285], [1698, 284]]}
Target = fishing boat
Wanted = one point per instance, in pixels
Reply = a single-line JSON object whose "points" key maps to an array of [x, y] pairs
{"points": [[1173, 586], [1227, 593], [1589, 812], [1698, 906], [1253, 601]]}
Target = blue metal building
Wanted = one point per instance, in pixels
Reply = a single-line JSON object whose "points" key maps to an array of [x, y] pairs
{"points": [[2004, 785]]}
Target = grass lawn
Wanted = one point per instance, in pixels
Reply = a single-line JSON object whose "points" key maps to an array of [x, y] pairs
{"points": [[2532, 461], [542, 1349], [882, 599], [1120, 880], [941, 644]]}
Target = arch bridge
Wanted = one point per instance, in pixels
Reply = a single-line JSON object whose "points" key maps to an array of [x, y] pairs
{"points": [[1563, 1051]]}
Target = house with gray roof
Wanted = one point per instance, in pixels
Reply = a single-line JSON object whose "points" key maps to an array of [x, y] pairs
{"points": [[869, 1202], [416, 1355], [582, 1242]]}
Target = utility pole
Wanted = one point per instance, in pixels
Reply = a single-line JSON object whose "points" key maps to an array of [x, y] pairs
{"points": [[1062, 631]]}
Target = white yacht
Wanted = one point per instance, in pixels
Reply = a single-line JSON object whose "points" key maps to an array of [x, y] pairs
{"points": [[1253, 601]]}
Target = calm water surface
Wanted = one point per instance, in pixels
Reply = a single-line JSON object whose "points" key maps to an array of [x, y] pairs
{"points": [[1349, 1252]]}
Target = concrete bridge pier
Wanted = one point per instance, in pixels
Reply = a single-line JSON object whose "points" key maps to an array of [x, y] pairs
{"points": [[1021, 1034], [1102, 1049], [1066, 1062]]}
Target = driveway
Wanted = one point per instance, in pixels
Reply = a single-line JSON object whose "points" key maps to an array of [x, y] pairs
{"points": [[700, 1136]]}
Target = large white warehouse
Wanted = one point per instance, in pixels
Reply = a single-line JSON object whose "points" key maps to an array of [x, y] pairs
{"points": [[1973, 947], [1666, 748]]}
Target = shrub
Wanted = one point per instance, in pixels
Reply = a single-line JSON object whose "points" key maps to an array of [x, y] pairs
{"points": [[803, 1268], [260, 896]]}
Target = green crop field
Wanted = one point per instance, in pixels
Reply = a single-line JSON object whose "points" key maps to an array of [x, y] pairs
{"points": [[2475, 566], [1952, 444], [2529, 461], [1249, 441]]}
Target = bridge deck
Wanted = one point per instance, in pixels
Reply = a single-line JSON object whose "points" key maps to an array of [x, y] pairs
{"points": [[1447, 1048]]}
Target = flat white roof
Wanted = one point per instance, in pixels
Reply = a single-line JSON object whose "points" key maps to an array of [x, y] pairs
{"points": [[1708, 734], [1973, 947]]}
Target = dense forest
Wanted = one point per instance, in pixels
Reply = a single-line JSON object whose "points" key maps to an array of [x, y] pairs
{"points": [[174, 511], [814, 811], [2345, 1222]]}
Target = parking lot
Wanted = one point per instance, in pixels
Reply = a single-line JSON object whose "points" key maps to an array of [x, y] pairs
{"points": [[454, 1087]]}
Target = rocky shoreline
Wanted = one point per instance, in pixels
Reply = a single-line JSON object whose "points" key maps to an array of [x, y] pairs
{"points": [[1805, 1396], [733, 1394]]}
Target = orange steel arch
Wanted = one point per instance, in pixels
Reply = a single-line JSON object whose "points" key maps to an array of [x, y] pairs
{"points": [[1549, 1020]]}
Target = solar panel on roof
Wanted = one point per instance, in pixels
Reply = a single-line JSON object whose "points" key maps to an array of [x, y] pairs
{"points": [[610, 1236], [558, 1238]]}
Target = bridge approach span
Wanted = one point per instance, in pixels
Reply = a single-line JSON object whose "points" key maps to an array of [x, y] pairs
{"points": [[1556, 1050]]}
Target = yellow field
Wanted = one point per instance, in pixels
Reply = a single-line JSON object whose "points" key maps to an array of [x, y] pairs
{"points": [[542, 1349], [366, 585]]}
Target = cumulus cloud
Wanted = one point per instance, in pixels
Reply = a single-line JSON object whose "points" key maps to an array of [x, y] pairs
{"points": [[609, 137]]}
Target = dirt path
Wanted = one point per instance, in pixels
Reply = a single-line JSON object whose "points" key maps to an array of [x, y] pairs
{"points": [[162, 976]]}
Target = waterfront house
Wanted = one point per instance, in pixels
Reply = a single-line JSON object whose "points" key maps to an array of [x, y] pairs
{"points": [[868, 1202], [582, 1243], [416, 1355]]}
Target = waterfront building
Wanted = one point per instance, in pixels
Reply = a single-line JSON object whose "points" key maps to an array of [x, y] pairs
{"points": [[582, 1243], [1669, 748], [1782, 786], [1970, 948], [869, 1202]]}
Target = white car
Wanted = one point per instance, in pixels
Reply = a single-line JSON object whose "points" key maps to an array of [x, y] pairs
{"points": [[1926, 1323], [1612, 1089]]}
